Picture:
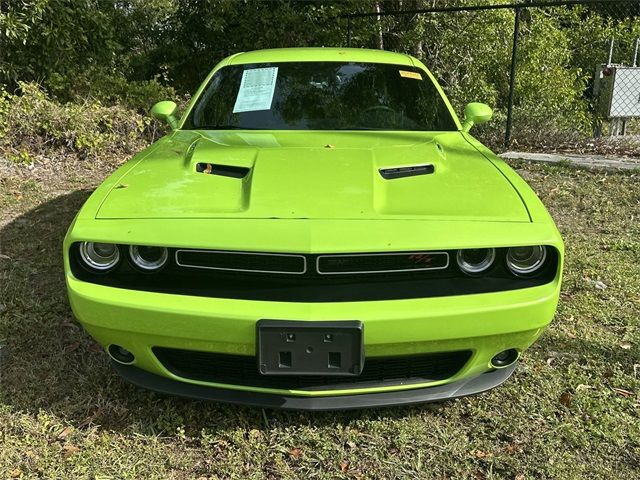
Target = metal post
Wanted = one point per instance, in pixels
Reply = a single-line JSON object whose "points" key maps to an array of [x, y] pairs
{"points": [[611, 42], [349, 31], [512, 76], [635, 52]]}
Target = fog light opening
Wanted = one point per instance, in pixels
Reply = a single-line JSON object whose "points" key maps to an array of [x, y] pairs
{"points": [[504, 358], [121, 354]]}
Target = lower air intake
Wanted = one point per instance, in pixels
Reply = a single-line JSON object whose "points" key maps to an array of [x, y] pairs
{"points": [[377, 372]]}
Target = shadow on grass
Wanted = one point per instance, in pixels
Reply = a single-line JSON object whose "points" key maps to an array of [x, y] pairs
{"points": [[50, 364]]}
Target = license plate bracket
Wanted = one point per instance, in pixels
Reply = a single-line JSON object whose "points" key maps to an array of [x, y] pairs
{"points": [[291, 347]]}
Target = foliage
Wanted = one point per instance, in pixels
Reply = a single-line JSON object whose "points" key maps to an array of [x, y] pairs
{"points": [[32, 123], [136, 52], [113, 89], [15, 24], [470, 52]]}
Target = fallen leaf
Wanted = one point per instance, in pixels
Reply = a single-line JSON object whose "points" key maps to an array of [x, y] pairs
{"points": [[625, 345], [511, 449], [15, 473], [351, 444], [69, 450], [295, 452], [481, 454], [65, 433], [344, 467], [565, 399], [519, 476]]}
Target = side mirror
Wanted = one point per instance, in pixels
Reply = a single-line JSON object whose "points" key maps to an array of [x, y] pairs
{"points": [[476, 113], [165, 111]]}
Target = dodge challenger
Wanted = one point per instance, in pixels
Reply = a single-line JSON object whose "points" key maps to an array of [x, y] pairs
{"points": [[319, 230]]}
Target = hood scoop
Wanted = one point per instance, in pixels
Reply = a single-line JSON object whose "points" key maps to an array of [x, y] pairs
{"points": [[232, 171], [409, 171]]}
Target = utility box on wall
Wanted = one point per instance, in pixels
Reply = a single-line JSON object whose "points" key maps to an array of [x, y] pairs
{"points": [[618, 91]]}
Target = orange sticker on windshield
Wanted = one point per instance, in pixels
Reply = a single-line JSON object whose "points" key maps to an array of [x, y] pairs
{"points": [[407, 74]]}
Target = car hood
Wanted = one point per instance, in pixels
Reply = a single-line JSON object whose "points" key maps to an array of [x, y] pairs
{"points": [[323, 175]]}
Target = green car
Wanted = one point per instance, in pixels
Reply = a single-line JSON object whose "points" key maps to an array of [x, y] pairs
{"points": [[318, 231]]}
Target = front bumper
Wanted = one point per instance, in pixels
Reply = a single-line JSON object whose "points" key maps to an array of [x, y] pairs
{"points": [[457, 389], [484, 324]]}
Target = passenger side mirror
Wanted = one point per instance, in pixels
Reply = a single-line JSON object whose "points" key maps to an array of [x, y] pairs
{"points": [[165, 111], [476, 113]]}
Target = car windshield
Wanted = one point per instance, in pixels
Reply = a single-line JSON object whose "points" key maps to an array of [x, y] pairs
{"points": [[320, 96]]}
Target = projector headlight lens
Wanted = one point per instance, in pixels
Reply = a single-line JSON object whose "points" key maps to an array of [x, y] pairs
{"points": [[526, 260], [148, 259], [100, 257], [475, 260]]}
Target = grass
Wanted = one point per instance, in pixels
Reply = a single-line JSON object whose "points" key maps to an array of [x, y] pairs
{"points": [[572, 409]]}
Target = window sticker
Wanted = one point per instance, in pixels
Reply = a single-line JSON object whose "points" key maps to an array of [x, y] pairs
{"points": [[407, 74], [256, 90]]}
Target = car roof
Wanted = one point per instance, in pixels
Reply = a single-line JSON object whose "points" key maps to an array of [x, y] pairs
{"points": [[326, 54]]}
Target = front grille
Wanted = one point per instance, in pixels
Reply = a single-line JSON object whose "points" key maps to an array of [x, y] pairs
{"points": [[381, 262], [242, 261], [378, 371]]}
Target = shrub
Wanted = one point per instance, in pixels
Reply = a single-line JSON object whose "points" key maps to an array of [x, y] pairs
{"points": [[111, 89], [32, 123]]}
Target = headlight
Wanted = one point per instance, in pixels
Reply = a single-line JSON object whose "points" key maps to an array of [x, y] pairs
{"points": [[99, 256], [475, 260], [148, 259], [526, 260]]}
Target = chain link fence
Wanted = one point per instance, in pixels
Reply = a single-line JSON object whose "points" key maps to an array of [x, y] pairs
{"points": [[556, 72]]}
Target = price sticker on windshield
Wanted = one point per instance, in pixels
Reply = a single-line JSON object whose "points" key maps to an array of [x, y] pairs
{"points": [[256, 90], [407, 74]]}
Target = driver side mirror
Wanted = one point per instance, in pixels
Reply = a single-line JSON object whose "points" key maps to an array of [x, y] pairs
{"points": [[165, 111], [476, 113]]}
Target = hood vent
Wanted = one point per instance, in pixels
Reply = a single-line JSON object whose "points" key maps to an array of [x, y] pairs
{"points": [[222, 170], [410, 171]]}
